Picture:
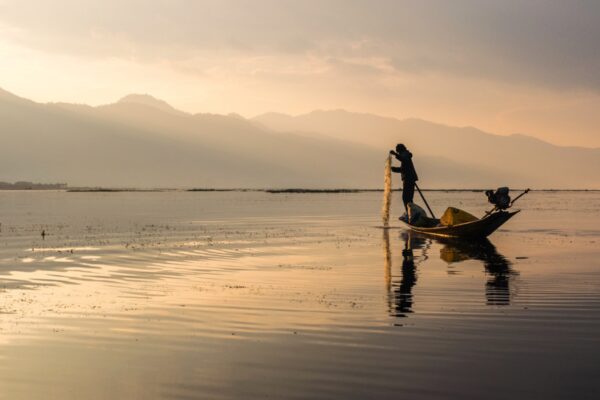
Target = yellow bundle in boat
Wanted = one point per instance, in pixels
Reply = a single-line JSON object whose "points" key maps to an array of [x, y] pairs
{"points": [[454, 216]]}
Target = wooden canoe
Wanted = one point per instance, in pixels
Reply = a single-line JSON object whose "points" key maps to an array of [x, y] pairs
{"points": [[480, 228]]}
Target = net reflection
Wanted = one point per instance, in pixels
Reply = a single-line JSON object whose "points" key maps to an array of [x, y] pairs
{"points": [[415, 251]]}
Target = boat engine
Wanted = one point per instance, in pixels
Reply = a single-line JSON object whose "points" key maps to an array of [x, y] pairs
{"points": [[499, 198]]}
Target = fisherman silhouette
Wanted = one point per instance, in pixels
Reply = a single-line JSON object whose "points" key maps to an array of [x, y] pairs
{"points": [[407, 172]]}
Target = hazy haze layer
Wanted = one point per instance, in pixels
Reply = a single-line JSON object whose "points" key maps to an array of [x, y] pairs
{"points": [[506, 67]]}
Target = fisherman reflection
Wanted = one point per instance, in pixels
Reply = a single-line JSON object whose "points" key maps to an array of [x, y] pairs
{"points": [[401, 291], [497, 267]]}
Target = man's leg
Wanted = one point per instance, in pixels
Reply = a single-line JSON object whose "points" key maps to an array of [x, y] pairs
{"points": [[411, 191], [408, 192]]}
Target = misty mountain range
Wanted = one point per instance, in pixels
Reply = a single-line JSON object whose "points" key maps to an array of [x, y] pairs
{"points": [[141, 141]]}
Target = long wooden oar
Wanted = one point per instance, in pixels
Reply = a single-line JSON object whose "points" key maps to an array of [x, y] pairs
{"points": [[425, 201]]}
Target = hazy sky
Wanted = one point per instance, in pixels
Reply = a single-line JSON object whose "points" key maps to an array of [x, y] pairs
{"points": [[505, 66]]}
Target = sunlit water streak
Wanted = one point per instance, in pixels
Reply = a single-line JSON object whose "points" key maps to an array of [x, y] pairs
{"points": [[245, 295]]}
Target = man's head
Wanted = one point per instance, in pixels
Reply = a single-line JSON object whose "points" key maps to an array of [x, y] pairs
{"points": [[400, 148]]}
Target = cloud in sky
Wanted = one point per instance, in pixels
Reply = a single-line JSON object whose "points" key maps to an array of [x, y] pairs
{"points": [[465, 62]]}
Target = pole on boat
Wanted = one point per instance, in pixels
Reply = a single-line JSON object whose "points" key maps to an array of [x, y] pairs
{"points": [[425, 201], [519, 196]]}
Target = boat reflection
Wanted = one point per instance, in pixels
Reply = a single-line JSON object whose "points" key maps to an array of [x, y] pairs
{"points": [[415, 251], [497, 267]]}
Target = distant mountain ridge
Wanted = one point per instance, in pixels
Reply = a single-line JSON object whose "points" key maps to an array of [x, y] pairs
{"points": [[150, 101], [141, 141], [306, 122], [518, 159], [141, 144]]}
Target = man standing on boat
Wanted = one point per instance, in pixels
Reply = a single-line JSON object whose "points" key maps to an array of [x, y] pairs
{"points": [[407, 172]]}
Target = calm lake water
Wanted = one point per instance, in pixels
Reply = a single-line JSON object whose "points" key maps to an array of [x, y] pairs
{"points": [[252, 295]]}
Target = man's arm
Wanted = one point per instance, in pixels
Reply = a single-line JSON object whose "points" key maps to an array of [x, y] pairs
{"points": [[395, 169]]}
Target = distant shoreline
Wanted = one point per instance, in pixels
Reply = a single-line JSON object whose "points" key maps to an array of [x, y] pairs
{"points": [[111, 190], [25, 185], [300, 190], [28, 186]]}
